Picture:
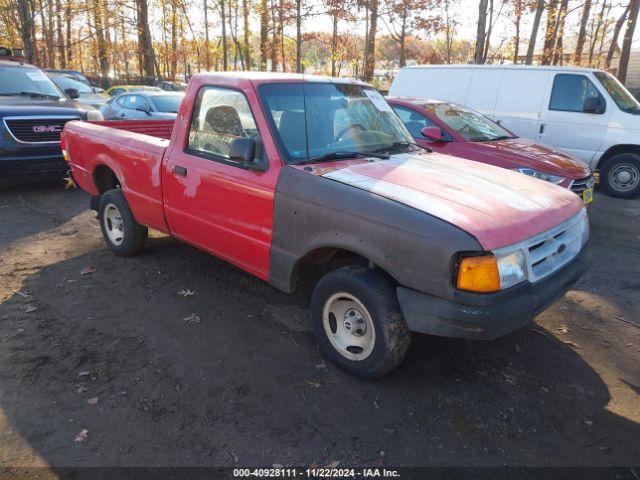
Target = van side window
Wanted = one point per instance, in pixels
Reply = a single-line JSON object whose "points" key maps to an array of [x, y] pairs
{"points": [[220, 116], [413, 120], [574, 93]]}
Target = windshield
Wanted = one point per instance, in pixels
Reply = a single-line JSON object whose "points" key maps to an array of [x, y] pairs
{"points": [[167, 103], [625, 101], [468, 123], [23, 80], [66, 82], [314, 120]]}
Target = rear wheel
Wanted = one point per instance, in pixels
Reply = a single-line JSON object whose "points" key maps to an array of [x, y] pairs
{"points": [[123, 235], [358, 322], [620, 175]]}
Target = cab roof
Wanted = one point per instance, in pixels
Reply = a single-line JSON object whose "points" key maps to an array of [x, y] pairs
{"points": [[258, 78]]}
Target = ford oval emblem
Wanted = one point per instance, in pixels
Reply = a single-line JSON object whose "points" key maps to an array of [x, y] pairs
{"points": [[561, 248]]}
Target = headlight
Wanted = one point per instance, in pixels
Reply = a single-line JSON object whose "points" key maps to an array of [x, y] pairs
{"points": [[490, 273], [94, 115], [547, 177]]}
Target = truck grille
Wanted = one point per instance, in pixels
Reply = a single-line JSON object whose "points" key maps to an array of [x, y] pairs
{"points": [[37, 129], [579, 186], [551, 250]]}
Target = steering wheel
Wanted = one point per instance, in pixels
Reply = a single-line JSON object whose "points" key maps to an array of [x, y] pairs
{"points": [[353, 126]]}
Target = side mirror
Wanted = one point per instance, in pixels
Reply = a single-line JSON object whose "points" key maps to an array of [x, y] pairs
{"points": [[72, 93], [592, 105], [143, 108], [243, 150], [432, 133]]}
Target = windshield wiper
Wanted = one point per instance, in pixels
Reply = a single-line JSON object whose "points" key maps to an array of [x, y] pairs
{"points": [[37, 95], [396, 145], [327, 157], [502, 137]]}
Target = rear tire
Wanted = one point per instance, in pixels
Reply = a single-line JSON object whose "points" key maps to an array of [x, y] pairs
{"points": [[358, 322], [620, 175], [121, 232]]}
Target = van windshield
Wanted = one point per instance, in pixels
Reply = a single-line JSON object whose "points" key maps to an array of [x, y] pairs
{"points": [[323, 121], [625, 101], [470, 124]]}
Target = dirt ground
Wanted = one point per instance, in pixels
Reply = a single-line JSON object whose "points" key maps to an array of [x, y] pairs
{"points": [[231, 375]]}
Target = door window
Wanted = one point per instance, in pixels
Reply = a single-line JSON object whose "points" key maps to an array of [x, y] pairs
{"points": [[571, 91], [413, 120], [219, 117], [132, 102]]}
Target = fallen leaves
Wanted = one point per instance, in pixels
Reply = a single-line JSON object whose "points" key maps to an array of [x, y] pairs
{"points": [[186, 293], [31, 308], [88, 270], [93, 401], [191, 318], [82, 436]]}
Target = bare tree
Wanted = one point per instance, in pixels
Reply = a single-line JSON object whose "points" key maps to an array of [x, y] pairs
{"points": [[481, 35], [616, 33], [370, 48], [534, 31], [582, 33], [623, 65]]}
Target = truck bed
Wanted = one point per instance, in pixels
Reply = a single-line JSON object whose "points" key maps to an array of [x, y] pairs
{"points": [[133, 151]]}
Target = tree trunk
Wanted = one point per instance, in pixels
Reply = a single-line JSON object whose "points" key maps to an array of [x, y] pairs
{"points": [[594, 38], [59, 36], [27, 29], [145, 44], [225, 46], [582, 33], [557, 50], [246, 34], [370, 49], [274, 38], [334, 43], [173, 62], [281, 9], [403, 37], [534, 32], [67, 19], [487, 39], [298, 37], [614, 37], [481, 31], [101, 46], [207, 43], [628, 40], [516, 40], [550, 33], [264, 33]]}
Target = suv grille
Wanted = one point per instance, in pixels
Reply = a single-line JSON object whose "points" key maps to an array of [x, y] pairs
{"points": [[37, 129], [578, 186]]}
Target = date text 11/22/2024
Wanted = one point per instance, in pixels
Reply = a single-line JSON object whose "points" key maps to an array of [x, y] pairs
{"points": [[316, 472]]}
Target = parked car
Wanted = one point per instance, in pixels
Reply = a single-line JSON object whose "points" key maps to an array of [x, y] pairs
{"points": [[33, 111], [116, 90], [143, 106], [584, 111], [74, 74], [450, 128], [79, 90], [172, 86], [305, 180]]}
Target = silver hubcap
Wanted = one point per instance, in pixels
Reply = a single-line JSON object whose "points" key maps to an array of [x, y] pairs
{"points": [[624, 177], [348, 326], [113, 224]]}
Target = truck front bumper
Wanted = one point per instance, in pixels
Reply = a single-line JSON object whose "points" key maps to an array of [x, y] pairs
{"points": [[33, 167], [487, 316]]}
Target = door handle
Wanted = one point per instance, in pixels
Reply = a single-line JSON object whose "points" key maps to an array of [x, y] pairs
{"points": [[122, 114], [541, 128], [179, 170]]}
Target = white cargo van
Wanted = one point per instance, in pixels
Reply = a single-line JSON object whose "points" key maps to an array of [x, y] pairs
{"points": [[583, 111]]}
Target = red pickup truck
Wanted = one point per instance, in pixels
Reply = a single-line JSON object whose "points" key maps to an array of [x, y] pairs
{"points": [[304, 180]]}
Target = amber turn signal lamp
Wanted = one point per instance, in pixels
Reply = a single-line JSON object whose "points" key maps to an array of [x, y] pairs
{"points": [[479, 274]]}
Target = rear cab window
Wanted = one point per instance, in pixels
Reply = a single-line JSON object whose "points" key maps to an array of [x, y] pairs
{"points": [[220, 116]]}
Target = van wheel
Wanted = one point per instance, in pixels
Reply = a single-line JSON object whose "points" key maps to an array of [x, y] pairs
{"points": [[123, 235], [358, 322], [620, 175]]}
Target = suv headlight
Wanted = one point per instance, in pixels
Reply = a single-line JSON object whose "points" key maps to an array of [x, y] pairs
{"points": [[547, 177], [94, 115], [491, 273]]}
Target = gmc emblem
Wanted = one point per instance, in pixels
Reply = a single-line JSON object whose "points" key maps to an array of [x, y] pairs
{"points": [[47, 128]]}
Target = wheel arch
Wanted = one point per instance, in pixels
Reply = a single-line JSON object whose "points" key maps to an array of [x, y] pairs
{"points": [[615, 150], [104, 178]]}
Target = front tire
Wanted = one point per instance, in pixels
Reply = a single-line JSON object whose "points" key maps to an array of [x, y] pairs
{"points": [[358, 322], [121, 232], [620, 175]]}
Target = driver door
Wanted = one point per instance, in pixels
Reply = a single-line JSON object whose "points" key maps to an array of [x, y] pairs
{"points": [[211, 201]]}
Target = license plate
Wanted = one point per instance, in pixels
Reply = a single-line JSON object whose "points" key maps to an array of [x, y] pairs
{"points": [[587, 195]]}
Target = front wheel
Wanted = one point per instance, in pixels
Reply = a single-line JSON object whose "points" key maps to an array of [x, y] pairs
{"points": [[620, 175], [121, 232], [358, 322]]}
